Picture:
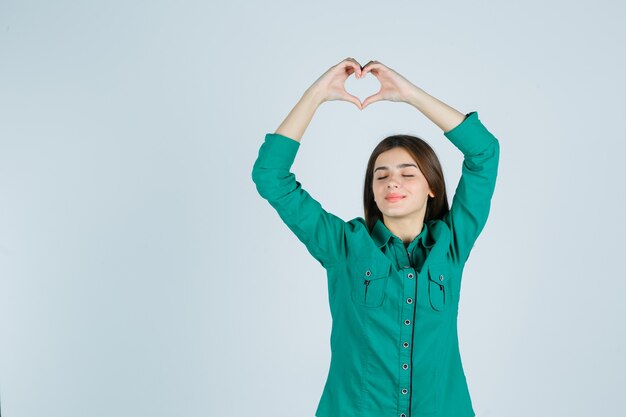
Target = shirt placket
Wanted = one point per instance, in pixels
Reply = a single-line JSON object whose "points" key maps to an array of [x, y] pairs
{"points": [[409, 274]]}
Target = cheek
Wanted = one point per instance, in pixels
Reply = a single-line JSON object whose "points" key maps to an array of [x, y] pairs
{"points": [[378, 192], [376, 195]]}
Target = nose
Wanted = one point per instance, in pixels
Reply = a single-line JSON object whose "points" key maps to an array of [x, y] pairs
{"points": [[393, 181]]}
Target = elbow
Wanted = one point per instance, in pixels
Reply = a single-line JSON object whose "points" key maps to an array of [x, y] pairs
{"points": [[484, 160], [491, 154], [257, 178], [254, 173], [263, 181]]}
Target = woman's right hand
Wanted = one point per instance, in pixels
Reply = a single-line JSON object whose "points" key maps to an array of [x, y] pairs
{"points": [[331, 85]]}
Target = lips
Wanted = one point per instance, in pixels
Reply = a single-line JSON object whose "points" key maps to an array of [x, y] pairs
{"points": [[394, 197]]}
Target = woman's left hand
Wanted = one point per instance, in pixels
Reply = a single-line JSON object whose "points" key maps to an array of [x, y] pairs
{"points": [[393, 86]]}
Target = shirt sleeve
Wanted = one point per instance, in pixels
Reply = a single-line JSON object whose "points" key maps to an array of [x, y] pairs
{"points": [[472, 198], [321, 232]]}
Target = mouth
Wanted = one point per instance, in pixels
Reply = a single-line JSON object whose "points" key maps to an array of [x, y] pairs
{"points": [[394, 199]]}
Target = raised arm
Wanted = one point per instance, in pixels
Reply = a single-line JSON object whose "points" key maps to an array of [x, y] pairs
{"points": [[394, 87], [321, 232], [329, 86], [472, 199], [481, 150]]}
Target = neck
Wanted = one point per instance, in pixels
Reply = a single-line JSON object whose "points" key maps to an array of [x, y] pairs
{"points": [[406, 228]]}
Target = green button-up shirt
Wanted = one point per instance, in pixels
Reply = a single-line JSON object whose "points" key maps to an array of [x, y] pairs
{"points": [[394, 343]]}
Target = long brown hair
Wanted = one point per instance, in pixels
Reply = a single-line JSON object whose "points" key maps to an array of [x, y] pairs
{"points": [[427, 162]]}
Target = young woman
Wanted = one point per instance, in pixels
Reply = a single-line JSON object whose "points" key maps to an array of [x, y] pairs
{"points": [[394, 277]]}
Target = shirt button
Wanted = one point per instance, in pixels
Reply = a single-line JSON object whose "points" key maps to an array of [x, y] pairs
{"points": [[402, 415], [368, 272], [409, 300], [407, 322], [405, 366], [404, 390], [410, 275], [440, 277], [405, 344]]}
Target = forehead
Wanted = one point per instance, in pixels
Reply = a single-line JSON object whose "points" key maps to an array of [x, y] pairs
{"points": [[393, 157]]}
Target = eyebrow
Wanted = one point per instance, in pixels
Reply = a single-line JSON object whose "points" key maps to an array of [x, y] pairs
{"points": [[399, 166]]}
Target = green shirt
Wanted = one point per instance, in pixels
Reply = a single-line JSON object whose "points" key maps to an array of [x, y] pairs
{"points": [[394, 344]]}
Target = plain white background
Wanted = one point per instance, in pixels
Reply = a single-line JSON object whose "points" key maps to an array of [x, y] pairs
{"points": [[141, 274]]}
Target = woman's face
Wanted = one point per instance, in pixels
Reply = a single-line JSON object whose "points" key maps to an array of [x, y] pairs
{"points": [[400, 188]]}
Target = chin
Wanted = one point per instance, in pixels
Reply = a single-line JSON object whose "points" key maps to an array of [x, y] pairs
{"points": [[395, 214]]}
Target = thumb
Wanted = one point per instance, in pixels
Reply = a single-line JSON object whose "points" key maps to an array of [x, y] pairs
{"points": [[372, 99], [353, 99]]}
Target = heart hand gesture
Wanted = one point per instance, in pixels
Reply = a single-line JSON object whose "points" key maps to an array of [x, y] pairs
{"points": [[331, 85], [393, 87]]}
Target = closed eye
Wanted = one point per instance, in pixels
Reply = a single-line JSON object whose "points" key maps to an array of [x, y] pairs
{"points": [[382, 178]]}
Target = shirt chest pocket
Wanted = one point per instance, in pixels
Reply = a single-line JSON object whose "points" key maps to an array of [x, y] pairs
{"points": [[369, 279], [439, 292]]}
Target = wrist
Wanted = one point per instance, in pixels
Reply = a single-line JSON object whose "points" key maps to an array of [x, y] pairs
{"points": [[416, 97], [313, 96]]}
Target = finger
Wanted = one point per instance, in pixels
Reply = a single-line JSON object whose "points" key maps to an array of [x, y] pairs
{"points": [[352, 99], [371, 67], [352, 60], [355, 67], [372, 99]]}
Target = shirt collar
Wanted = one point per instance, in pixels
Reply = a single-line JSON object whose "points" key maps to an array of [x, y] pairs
{"points": [[381, 234]]}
